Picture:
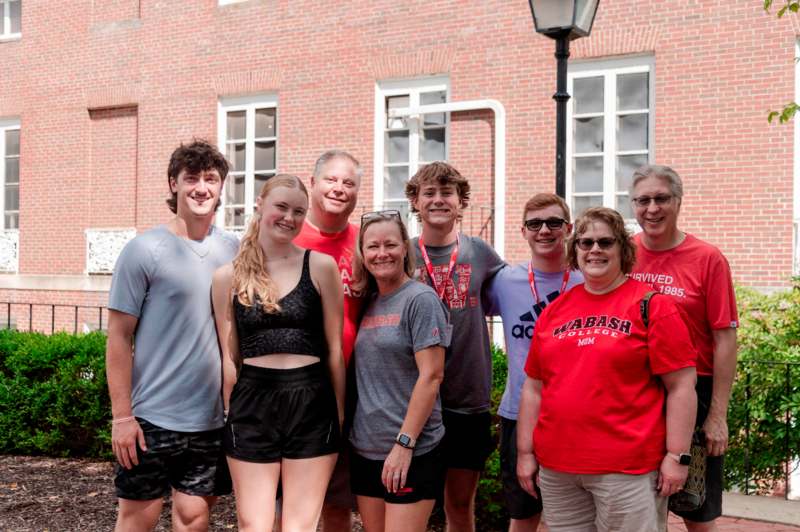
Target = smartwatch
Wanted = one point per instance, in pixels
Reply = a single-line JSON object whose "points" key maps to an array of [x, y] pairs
{"points": [[682, 458], [404, 440]]}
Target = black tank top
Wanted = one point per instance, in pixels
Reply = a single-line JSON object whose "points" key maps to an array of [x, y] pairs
{"points": [[298, 327]]}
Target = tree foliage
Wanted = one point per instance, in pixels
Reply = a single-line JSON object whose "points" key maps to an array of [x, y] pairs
{"points": [[787, 6]]}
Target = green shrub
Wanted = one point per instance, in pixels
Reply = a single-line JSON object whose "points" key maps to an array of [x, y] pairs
{"points": [[53, 395], [490, 510], [765, 392]]}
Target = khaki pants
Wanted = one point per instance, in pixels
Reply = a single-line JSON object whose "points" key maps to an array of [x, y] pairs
{"points": [[602, 503]]}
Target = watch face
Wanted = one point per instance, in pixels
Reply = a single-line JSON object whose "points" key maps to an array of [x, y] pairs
{"points": [[686, 459], [404, 440]]}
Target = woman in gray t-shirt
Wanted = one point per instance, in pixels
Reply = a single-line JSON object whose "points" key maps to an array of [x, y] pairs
{"points": [[396, 470]]}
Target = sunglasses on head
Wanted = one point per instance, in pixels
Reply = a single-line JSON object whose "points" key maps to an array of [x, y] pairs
{"points": [[644, 201], [586, 244], [534, 224], [381, 215]]}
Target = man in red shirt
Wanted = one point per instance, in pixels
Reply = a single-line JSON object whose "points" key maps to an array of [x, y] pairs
{"points": [[698, 277], [333, 195]]}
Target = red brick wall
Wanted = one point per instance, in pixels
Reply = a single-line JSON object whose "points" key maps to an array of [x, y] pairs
{"points": [[79, 71]]}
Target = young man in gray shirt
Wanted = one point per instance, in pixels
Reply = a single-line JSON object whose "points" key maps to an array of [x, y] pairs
{"points": [[457, 267], [162, 357]]}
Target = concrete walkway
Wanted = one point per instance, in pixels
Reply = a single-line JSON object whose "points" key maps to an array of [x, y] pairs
{"points": [[752, 514]]}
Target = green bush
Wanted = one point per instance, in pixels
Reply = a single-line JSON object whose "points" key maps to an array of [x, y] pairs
{"points": [[53, 395], [767, 389], [490, 510]]}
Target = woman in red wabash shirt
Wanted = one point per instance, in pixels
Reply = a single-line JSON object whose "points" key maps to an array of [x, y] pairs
{"points": [[592, 418]]}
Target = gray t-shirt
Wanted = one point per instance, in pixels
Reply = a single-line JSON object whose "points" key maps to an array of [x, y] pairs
{"points": [[395, 327], [510, 296], [468, 371], [165, 281]]}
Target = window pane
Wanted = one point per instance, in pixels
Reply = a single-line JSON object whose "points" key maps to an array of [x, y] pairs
{"points": [[16, 17], [626, 164], [632, 91], [12, 221], [431, 145], [584, 202], [394, 181], [236, 157], [396, 147], [236, 125], [12, 170], [589, 135], [265, 155], [234, 190], [632, 132], [624, 206], [234, 217], [12, 198], [396, 102], [265, 122], [259, 182], [588, 174], [400, 205], [12, 142], [430, 98], [588, 95]]}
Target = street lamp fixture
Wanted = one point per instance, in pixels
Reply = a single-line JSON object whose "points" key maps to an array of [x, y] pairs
{"points": [[562, 20]]}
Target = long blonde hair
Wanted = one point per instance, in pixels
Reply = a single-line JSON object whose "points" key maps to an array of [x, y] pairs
{"points": [[251, 282]]}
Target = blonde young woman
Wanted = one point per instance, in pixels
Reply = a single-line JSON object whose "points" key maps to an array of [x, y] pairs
{"points": [[278, 311]]}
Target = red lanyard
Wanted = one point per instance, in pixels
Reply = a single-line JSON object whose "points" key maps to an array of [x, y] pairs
{"points": [[532, 282], [428, 266]]}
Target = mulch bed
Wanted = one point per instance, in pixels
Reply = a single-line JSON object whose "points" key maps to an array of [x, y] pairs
{"points": [[65, 495]]}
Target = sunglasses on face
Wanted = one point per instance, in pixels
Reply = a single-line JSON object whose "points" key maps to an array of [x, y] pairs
{"points": [[380, 215], [644, 201], [534, 224], [586, 244]]}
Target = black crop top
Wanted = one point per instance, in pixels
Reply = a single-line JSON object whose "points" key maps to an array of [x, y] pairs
{"points": [[298, 327]]}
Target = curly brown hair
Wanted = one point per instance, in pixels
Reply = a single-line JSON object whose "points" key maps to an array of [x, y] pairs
{"points": [[441, 174], [614, 221], [197, 156]]}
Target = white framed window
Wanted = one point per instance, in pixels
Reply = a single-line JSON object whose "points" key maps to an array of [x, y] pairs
{"points": [[9, 174], [247, 129], [227, 2], [610, 128], [402, 144], [10, 19]]}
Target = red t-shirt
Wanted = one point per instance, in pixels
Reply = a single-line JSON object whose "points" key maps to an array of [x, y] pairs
{"points": [[698, 277], [602, 408], [341, 247]]}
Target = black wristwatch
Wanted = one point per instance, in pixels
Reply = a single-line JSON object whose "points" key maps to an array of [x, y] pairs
{"points": [[404, 440], [682, 458]]}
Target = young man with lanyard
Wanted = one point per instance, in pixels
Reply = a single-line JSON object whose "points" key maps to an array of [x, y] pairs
{"points": [[333, 194], [519, 294], [163, 360], [697, 276], [458, 267]]}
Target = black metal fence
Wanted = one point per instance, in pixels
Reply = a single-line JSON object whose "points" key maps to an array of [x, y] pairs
{"points": [[764, 431], [49, 318]]}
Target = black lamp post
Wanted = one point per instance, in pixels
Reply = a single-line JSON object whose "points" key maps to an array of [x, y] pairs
{"points": [[562, 20]]}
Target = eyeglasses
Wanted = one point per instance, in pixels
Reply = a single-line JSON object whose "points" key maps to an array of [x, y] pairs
{"points": [[586, 244], [644, 201], [534, 224], [380, 215]]}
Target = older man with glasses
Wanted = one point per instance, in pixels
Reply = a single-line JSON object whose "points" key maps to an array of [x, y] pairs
{"points": [[697, 275]]}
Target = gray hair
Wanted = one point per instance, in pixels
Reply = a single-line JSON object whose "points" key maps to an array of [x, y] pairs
{"points": [[665, 173], [337, 154]]}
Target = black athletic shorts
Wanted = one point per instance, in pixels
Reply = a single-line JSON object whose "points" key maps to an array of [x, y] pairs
{"points": [[712, 508], [425, 479], [190, 462], [467, 440], [282, 413], [520, 504]]}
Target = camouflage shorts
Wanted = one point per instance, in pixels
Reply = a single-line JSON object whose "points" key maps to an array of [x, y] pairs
{"points": [[190, 462]]}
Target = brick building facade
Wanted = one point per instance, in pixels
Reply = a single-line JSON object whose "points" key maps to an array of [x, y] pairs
{"points": [[94, 96]]}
